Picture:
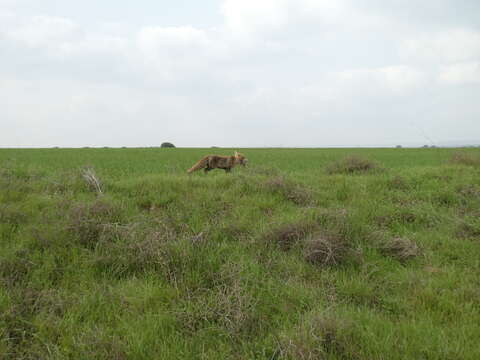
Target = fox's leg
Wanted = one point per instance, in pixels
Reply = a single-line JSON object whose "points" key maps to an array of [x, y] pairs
{"points": [[207, 169], [227, 170]]}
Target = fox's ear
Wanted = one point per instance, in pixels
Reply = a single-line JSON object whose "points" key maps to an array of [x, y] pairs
{"points": [[236, 153]]}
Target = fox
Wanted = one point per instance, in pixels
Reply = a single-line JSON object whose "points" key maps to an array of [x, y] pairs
{"points": [[226, 163]]}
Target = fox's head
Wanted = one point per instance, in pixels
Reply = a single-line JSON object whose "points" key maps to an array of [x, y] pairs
{"points": [[240, 159]]}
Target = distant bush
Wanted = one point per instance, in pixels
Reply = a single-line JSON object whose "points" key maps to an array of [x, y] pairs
{"points": [[167, 145], [351, 165]]}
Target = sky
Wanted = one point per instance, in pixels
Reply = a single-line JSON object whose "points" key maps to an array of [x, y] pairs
{"points": [[239, 73]]}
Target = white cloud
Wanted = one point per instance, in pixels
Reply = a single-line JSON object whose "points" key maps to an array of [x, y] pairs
{"points": [[158, 39], [176, 55], [248, 16], [44, 31], [59, 38], [253, 17], [396, 79], [453, 45], [460, 73]]}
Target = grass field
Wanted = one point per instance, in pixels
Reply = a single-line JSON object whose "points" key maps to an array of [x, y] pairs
{"points": [[300, 255]]}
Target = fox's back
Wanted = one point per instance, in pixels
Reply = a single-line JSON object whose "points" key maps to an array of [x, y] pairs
{"points": [[219, 160]]}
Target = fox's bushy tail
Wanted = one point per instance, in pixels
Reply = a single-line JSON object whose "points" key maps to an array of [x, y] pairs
{"points": [[199, 165]]}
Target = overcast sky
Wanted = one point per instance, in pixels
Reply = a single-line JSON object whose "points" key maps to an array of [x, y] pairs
{"points": [[240, 73]]}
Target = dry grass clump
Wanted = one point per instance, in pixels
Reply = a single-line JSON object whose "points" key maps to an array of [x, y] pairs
{"points": [[351, 165], [12, 215], [139, 248], [337, 217], [468, 230], [236, 231], [89, 221], [407, 216], [92, 180], [401, 249], [322, 337], [286, 236], [326, 250], [97, 344], [398, 183], [464, 158], [228, 305], [19, 328], [469, 191], [16, 319], [291, 191], [15, 269]]}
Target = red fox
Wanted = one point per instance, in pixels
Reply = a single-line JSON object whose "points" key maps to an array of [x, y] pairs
{"points": [[226, 163]]}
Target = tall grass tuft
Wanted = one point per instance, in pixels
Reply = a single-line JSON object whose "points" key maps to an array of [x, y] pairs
{"points": [[92, 180]]}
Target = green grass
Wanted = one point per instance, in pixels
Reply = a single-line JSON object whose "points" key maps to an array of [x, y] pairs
{"points": [[304, 254]]}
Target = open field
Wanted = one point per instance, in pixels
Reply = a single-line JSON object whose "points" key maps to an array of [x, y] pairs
{"points": [[297, 256]]}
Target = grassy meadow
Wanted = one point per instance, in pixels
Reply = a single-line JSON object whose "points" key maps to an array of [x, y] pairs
{"points": [[303, 254]]}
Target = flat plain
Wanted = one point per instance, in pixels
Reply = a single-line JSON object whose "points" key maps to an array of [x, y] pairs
{"points": [[303, 254]]}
